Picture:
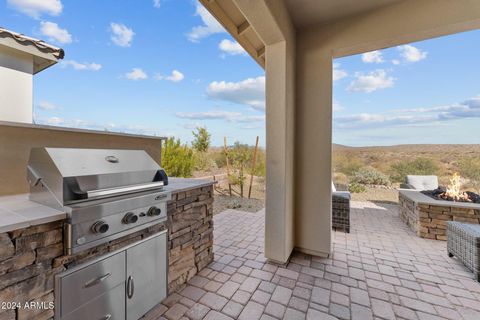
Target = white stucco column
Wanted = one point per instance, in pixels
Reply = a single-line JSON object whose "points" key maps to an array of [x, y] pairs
{"points": [[313, 151], [279, 215], [273, 25]]}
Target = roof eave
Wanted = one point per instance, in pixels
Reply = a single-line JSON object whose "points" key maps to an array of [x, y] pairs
{"points": [[44, 55]]}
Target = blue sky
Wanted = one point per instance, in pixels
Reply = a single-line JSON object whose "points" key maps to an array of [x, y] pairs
{"points": [[164, 67], [425, 92]]}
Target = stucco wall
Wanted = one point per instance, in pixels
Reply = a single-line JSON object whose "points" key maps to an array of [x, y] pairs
{"points": [[16, 86], [16, 141]]}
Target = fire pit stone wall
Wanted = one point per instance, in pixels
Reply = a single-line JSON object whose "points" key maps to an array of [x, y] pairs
{"points": [[427, 217]]}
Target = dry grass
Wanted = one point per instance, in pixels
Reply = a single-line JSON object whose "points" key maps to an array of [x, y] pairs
{"points": [[445, 156]]}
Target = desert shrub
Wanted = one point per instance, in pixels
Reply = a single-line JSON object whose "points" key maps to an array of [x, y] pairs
{"points": [[370, 176], [201, 139], [240, 157], [177, 159], [418, 166], [219, 158], [204, 161], [346, 164], [356, 187], [260, 165], [470, 168]]}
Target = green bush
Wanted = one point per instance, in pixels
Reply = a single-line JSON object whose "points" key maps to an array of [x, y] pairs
{"points": [[370, 176], [201, 139], [470, 168], [355, 187], [419, 166], [177, 159]]}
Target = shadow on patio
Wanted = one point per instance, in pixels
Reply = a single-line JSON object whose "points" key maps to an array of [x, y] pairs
{"points": [[380, 270]]}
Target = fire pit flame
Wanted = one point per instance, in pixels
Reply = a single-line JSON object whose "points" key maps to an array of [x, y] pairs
{"points": [[453, 190]]}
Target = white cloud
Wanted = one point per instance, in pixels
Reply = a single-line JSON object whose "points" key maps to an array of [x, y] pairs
{"points": [[35, 8], [231, 47], [396, 62], [411, 53], [338, 73], [229, 116], [92, 66], [468, 109], [249, 92], [176, 76], [373, 81], [156, 3], [372, 57], [54, 121], [210, 25], [121, 35], [136, 74], [45, 105], [55, 33], [337, 106]]}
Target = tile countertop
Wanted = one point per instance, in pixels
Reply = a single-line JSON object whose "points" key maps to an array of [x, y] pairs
{"points": [[18, 212]]}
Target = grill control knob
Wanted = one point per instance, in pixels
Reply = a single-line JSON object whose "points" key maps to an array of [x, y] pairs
{"points": [[154, 211], [130, 218], [100, 227]]}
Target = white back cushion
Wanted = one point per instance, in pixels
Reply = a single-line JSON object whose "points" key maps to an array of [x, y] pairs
{"points": [[423, 182]]}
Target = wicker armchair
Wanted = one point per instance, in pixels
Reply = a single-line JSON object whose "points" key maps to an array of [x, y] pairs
{"points": [[463, 242], [340, 210]]}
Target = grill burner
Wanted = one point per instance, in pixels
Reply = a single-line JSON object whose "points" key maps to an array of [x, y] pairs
{"points": [[106, 194], [440, 194]]}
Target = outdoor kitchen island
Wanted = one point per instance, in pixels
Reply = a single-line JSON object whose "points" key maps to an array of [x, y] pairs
{"points": [[32, 246]]}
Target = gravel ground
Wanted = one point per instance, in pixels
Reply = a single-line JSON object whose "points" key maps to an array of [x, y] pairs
{"points": [[377, 195], [222, 203]]}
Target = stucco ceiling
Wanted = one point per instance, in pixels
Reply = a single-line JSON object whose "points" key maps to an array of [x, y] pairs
{"points": [[315, 12]]}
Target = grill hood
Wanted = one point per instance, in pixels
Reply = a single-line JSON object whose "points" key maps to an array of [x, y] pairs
{"points": [[61, 176]]}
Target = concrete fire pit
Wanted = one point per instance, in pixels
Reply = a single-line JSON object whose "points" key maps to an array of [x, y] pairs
{"points": [[427, 217]]}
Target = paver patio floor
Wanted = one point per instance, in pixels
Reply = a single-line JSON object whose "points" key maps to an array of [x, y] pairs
{"points": [[381, 270]]}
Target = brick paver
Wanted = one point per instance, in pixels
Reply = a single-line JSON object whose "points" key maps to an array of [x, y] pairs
{"points": [[381, 269]]}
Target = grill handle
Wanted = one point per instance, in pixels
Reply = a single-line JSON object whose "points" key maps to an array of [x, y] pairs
{"points": [[128, 189]]}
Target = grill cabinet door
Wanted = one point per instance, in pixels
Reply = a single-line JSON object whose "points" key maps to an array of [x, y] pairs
{"points": [[146, 276]]}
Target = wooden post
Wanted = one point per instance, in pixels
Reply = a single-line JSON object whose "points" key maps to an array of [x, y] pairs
{"points": [[254, 162], [228, 165]]}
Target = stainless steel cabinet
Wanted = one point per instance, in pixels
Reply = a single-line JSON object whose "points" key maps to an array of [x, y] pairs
{"points": [[146, 276], [123, 285]]}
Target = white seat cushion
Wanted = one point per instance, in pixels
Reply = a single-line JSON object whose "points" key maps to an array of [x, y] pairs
{"points": [[422, 182]]}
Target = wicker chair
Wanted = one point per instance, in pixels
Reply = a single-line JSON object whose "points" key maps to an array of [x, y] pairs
{"points": [[463, 242], [340, 209]]}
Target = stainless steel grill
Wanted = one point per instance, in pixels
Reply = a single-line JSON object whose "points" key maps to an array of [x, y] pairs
{"points": [[106, 193]]}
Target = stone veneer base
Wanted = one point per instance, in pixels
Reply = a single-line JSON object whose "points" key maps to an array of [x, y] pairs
{"points": [[31, 257], [427, 218]]}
